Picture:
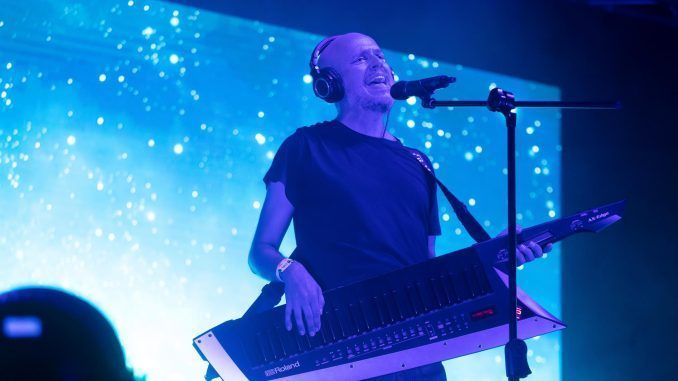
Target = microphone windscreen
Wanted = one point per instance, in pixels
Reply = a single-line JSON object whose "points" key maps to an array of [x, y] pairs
{"points": [[399, 91]]}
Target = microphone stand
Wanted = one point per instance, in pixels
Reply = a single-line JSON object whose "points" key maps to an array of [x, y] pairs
{"points": [[515, 351]]}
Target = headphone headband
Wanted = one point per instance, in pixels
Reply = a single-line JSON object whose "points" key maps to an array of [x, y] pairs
{"points": [[315, 56]]}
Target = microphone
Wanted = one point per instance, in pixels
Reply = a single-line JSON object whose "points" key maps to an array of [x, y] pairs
{"points": [[422, 88]]}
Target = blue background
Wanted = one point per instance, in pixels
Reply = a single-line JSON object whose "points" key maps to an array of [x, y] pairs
{"points": [[133, 140]]}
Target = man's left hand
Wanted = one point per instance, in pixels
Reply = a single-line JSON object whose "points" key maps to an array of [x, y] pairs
{"points": [[527, 251]]}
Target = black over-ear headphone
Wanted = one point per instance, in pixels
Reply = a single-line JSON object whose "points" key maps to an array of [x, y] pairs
{"points": [[327, 83]]}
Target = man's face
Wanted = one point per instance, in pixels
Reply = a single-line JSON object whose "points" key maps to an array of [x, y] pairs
{"points": [[363, 69]]}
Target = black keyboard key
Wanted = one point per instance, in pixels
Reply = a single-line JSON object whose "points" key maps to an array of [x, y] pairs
{"points": [[412, 299], [482, 278], [276, 352], [460, 287], [263, 348], [366, 314], [379, 309], [437, 295], [446, 293], [399, 306], [339, 323], [355, 323], [389, 310], [469, 283], [424, 297], [451, 284]]}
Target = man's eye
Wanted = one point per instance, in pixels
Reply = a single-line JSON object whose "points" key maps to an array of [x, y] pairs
{"points": [[359, 59]]}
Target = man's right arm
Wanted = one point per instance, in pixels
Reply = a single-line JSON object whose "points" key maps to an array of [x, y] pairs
{"points": [[303, 295], [276, 215]]}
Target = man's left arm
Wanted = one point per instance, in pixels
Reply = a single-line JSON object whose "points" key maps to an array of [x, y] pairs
{"points": [[526, 252]]}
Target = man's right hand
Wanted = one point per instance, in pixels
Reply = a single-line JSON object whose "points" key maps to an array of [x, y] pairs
{"points": [[304, 299]]}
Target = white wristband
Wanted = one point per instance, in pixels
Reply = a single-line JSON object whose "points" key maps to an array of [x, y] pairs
{"points": [[282, 265]]}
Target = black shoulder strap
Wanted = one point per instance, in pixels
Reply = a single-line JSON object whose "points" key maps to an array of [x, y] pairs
{"points": [[470, 223]]}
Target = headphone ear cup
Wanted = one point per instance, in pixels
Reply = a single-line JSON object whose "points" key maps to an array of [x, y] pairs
{"points": [[327, 85]]}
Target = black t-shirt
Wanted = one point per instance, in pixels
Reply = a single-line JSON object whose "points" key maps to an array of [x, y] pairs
{"points": [[363, 205]]}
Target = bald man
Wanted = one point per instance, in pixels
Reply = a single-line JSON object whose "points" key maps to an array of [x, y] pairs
{"points": [[362, 205]]}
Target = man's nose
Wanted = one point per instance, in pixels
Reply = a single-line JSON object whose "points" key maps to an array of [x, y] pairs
{"points": [[376, 62]]}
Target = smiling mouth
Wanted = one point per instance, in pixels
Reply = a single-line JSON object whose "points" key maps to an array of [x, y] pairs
{"points": [[379, 80]]}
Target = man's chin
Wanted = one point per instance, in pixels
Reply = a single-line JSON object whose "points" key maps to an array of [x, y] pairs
{"points": [[381, 103]]}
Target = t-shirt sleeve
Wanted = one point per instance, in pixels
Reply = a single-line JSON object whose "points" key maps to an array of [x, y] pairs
{"points": [[286, 166]]}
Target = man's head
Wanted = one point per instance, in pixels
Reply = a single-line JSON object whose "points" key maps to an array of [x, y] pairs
{"points": [[365, 76]]}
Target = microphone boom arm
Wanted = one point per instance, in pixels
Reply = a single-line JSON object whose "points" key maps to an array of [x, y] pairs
{"points": [[602, 105], [500, 100]]}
